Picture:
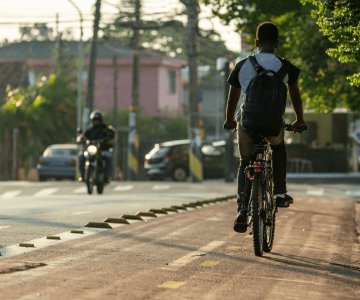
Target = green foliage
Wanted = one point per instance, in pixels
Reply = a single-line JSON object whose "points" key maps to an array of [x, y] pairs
{"points": [[340, 22], [323, 80], [44, 114], [159, 128]]}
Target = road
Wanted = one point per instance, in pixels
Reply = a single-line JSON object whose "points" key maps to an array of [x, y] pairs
{"points": [[192, 254]]}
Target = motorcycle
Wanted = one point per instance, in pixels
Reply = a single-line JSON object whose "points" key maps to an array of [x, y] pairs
{"points": [[94, 166]]}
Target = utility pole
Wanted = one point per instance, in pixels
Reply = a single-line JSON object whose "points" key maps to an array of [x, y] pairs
{"points": [[195, 132], [133, 139], [80, 67], [92, 63], [115, 116]]}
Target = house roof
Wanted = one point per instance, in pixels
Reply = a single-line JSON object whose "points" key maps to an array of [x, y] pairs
{"points": [[44, 49]]}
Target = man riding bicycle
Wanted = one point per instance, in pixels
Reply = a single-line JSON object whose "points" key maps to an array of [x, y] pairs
{"points": [[267, 41]]}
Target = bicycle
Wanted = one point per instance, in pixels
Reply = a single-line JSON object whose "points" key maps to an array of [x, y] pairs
{"points": [[258, 192]]}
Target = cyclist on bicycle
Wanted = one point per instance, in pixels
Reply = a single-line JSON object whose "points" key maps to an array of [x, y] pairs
{"points": [[266, 41]]}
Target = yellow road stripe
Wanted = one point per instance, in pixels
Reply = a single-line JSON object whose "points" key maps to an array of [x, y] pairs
{"points": [[172, 284], [233, 248], [209, 263]]}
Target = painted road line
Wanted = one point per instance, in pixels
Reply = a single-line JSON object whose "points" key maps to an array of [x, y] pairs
{"points": [[233, 248], [84, 212], [4, 226], [315, 192], [81, 190], [353, 193], [160, 187], [123, 188], [46, 192], [209, 263], [172, 284], [10, 194], [188, 258]]}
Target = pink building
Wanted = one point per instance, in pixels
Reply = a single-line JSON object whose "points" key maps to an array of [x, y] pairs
{"points": [[160, 82]]}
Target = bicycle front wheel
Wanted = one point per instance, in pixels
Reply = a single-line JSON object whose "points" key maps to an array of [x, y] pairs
{"points": [[257, 216]]}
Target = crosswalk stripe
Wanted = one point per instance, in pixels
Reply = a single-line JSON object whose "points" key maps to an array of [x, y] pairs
{"points": [[123, 188], [80, 190], [46, 192], [160, 187], [10, 194]]}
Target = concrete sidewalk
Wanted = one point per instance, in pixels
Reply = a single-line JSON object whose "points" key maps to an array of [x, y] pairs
{"points": [[324, 177]]}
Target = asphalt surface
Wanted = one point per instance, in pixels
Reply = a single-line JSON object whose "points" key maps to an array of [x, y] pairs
{"points": [[195, 255]]}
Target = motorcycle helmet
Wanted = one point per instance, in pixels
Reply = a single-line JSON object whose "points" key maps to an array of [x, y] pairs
{"points": [[96, 117]]}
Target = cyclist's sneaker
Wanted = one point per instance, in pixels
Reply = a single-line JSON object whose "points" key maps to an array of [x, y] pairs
{"points": [[240, 223], [284, 201]]}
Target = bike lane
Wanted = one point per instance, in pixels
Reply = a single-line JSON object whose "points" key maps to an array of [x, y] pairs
{"points": [[196, 255]]}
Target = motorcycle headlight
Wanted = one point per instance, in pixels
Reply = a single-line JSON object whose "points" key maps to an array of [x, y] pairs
{"points": [[92, 150]]}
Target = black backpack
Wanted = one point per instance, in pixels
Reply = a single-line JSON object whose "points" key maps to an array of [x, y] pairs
{"points": [[265, 101]]}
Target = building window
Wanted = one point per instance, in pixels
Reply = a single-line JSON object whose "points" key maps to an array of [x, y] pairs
{"points": [[171, 82]]}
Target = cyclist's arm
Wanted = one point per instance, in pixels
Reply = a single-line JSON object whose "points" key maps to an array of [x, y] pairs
{"points": [[295, 97], [232, 101]]}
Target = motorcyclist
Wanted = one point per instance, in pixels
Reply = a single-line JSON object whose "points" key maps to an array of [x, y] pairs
{"points": [[97, 130]]}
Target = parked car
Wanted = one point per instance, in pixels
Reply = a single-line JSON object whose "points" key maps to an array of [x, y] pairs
{"points": [[59, 161], [171, 160]]}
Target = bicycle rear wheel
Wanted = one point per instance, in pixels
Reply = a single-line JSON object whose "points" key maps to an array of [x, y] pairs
{"points": [[257, 216], [270, 212]]}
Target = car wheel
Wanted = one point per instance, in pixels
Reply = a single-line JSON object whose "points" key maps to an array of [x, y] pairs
{"points": [[179, 174], [42, 178]]}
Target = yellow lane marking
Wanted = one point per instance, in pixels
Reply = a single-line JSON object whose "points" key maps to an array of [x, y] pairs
{"points": [[209, 263], [190, 257], [172, 284], [233, 248]]}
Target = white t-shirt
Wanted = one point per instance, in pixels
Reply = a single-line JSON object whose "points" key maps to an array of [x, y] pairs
{"points": [[244, 71]]}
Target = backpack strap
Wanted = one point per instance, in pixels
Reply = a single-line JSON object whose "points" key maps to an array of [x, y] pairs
{"points": [[255, 64], [284, 68]]}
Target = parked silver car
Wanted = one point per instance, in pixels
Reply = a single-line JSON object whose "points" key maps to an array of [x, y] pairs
{"points": [[59, 161]]}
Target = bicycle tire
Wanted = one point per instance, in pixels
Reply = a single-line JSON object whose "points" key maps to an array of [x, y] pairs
{"points": [[257, 216], [269, 232]]}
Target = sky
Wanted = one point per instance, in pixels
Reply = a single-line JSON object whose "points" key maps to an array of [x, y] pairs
{"points": [[16, 12]]}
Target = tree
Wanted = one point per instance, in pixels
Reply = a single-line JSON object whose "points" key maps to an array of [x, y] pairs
{"points": [[44, 114], [323, 80], [340, 22], [165, 35], [37, 32]]}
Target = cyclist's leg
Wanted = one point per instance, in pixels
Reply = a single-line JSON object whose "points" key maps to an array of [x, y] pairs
{"points": [[245, 144], [279, 161], [245, 148]]}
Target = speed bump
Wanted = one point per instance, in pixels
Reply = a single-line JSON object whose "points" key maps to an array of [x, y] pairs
{"points": [[103, 225], [146, 214], [170, 209], [27, 245], [77, 231], [132, 217], [53, 237], [116, 220], [158, 211], [179, 207]]}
